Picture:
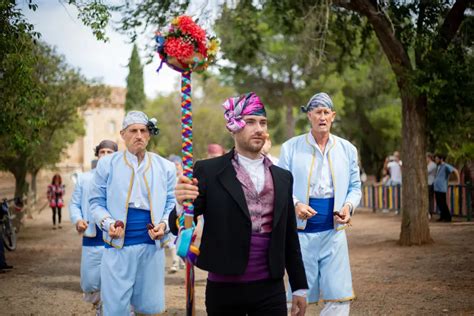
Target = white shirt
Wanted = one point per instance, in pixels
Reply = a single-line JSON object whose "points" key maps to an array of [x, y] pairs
{"points": [[255, 169], [139, 195], [395, 170], [321, 186], [431, 172]]}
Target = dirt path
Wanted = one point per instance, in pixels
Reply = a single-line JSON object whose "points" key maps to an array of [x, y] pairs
{"points": [[388, 280]]}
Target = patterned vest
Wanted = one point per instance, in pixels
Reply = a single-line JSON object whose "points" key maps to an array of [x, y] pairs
{"points": [[260, 205]]}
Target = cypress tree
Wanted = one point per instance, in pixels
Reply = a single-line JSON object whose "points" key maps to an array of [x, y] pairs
{"points": [[135, 99]]}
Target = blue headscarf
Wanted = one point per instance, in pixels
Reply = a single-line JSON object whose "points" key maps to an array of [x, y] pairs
{"points": [[321, 99]]}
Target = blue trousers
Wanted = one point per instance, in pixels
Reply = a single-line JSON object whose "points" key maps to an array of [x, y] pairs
{"points": [[133, 275]]}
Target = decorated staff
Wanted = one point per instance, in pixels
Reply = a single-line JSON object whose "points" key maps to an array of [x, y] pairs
{"points": [[185, 47]]}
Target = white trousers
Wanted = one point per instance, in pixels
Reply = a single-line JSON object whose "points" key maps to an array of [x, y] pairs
{"points": [[336, 309]]}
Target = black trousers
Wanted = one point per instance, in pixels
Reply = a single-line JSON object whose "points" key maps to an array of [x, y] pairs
{"points": [[431, 198], [443, 206], [58, 211], [262, 298]]}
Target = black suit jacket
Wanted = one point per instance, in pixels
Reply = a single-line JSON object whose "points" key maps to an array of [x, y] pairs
{"points": [[225, 242]]}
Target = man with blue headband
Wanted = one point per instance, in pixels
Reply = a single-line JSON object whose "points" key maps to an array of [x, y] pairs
{"points": [[327, 189], [131, 195]]}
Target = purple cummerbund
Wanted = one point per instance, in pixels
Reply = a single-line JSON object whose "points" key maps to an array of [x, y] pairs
{"points": [[257, 267]]}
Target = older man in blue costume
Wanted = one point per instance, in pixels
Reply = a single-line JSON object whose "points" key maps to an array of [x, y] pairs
{"points": [[132, 189], [326, 192], [92, 242]]}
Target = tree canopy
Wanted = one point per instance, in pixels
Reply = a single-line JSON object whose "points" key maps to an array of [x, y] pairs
{"points": [[40, 95]]}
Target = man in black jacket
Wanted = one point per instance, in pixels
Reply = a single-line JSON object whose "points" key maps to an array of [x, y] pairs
{"points": [[249, 235]]}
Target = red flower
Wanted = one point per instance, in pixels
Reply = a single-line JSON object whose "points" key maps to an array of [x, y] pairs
{"points": [[178, 48], [202, 48], [188, 26]]}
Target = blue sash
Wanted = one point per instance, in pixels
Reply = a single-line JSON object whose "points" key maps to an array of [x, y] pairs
{"points": [[135, 230], [93, 241], [322, 221]]}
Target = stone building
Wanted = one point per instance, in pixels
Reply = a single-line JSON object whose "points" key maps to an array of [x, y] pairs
{"points": [[102, 120]]}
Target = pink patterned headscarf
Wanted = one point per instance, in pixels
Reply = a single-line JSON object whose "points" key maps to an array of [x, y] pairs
{"points": [[235, 109]]}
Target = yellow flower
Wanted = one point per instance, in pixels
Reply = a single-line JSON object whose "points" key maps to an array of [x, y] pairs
{"points": [[212, 47], [175, 21]]}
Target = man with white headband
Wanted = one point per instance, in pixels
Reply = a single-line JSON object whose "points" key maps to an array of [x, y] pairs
{"points": [[326, 192], [92, 242], [131, 196]]}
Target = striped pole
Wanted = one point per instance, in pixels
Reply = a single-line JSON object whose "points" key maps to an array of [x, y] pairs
{"points": [[187, 152]]}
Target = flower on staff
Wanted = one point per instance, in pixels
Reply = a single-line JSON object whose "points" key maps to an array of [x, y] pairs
{"points": [[175, 21], [179, 48], [213, 46], [188, 26], [186, 46]]}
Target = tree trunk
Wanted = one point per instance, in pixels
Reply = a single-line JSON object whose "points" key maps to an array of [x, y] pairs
{"points": [[34, 188], [21, 186], [290, 121], [415, 228]]}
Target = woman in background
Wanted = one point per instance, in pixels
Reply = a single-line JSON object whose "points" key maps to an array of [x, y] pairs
{"points": [[55, 198]]}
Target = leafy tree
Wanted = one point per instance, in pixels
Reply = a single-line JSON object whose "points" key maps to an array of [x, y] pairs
{"points": [[372, 113], [19, 94], [414, 36], [135, 98], [450, 110], [40, 96], [263, 59]]}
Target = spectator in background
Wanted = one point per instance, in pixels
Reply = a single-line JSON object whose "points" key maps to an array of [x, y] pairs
{"points": [[55, 197], [266, 151], [396, 155], [394, 169], [363, 175], [431, 165], [215, 150], [440, 185], [384, 176]]}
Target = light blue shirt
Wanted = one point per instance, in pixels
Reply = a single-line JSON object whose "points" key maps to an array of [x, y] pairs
{"points": [[443, 171], [112, 189], [79, 206], [299, 156]]}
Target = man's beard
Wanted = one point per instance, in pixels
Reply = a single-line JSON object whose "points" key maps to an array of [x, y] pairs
{"points": [[253, 148]]}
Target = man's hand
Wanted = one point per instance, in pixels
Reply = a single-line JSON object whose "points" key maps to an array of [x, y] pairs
{"points": [[186, 189], [298, 306], [304, 211], [344, 216], [157, 232], [81, 226], [116, 232]]}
